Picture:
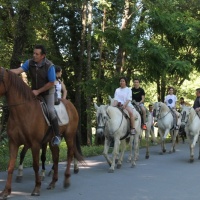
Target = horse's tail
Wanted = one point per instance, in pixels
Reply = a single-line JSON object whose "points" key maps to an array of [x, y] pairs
{"points": [[77, 150]]}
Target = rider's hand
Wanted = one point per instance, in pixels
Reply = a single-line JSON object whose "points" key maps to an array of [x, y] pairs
{"points": [[35, 92], [197, 109]]}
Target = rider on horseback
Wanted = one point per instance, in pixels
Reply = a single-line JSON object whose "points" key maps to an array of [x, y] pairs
{"points": [[196, 105], [170, 101], [123, 96], [43, 76], [138, 95]]}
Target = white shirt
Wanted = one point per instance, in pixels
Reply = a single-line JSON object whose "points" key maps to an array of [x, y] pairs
{"points": [[171, 100], [123, 95], [58, 87]]}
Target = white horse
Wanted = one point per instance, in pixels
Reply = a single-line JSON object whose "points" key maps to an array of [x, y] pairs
{"points": [[191, 122], [113, 124], [148, 130], [133, 140], [165, 121], [148, 133]]}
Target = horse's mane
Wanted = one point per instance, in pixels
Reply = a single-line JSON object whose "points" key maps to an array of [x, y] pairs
{"points": [[20, 86]]}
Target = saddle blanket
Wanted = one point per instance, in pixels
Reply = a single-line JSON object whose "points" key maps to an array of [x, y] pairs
{"points": [[62, 114]]}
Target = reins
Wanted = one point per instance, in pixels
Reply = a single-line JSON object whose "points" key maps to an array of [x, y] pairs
{"points": [[6, 91], [103, 127], [160, 113]]}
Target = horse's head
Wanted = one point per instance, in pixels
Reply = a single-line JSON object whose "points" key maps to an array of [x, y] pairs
{"points": [[102, 118], [156, 110], [185, 115], [111, 100]]}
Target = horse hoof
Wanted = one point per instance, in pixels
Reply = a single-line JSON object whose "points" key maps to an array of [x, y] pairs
{"points": [[76, 171], [35, 194], [51, 187], [199, 157], [191, 160], [66, 184], [164, 150], [174, 150], [119, 166], [133, 165], [170, 152], [147, 157], [111, 171], [50, 173], [42, 178], [3, 196], [19, 179]]}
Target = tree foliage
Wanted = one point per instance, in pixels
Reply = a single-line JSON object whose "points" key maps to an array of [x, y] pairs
{"points": [[154, 40]]}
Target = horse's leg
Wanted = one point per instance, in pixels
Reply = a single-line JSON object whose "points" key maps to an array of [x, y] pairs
{"points": [[76, 168], [147, 133], [173, 134], [35, 154], [51, 171], [115, 154], [13, 149], [105, 151], [19, 176], [135, 147], [55, 157], [70, 155], [192, 145], [123, 148], [131, 149], [199, 146], [162, 141], [153, 137], [43, 159]]}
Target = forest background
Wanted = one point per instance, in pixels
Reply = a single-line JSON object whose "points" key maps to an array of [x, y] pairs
{"points": [[97, 41]]}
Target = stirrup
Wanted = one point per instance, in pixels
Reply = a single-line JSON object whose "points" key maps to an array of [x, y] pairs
{"points": [[56, 141], [144, 127], [133, 131]]}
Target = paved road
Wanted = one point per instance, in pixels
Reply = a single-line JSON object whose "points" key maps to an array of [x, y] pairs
{"points": [[161, 177]]}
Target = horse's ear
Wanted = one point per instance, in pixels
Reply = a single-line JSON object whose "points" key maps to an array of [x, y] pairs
{"points": [[109, 97], [95, 106]]}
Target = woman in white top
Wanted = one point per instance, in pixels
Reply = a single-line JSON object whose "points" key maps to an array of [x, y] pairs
{"points": [[123, 97], [59, 85], [170, 101]]}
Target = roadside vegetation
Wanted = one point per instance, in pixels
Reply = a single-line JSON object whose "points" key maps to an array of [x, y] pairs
{"points": [[87, 151]]}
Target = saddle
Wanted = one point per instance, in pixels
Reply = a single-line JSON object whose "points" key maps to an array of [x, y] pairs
{"points": [[138, 108], [60, 111], [174, 117], [126, 115]]}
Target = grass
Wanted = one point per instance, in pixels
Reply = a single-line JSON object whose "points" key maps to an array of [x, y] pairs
{"points": [[87, 151]]}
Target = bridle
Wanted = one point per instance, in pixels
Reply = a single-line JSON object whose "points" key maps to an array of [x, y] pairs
{"points": [[158, 112], [185, 117], [104, 120], [6, 89]]}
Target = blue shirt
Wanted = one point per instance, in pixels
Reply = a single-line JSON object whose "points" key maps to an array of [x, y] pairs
{"points": [[51, 72]]}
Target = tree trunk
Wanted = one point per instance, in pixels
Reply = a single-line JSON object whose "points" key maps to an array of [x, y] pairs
{"points": [[121, 54], [21, 35], [89, 76], [78, 96]]}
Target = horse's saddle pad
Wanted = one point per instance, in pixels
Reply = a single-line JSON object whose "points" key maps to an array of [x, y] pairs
{"points": [[61, 113], [126, 114]]}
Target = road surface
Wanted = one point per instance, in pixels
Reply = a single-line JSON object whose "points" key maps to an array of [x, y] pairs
{"points": [[161, 177]]}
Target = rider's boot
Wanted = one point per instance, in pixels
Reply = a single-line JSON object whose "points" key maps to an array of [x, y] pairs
{"points": [[57, 139]]}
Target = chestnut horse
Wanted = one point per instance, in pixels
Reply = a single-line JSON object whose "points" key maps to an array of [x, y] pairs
{"points": [[27, 126]]}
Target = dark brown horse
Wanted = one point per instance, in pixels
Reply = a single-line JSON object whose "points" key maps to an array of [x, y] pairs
{"points": [[27, 126]]}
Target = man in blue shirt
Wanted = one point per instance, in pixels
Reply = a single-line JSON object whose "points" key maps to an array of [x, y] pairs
{"points": [[43, 76]]}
